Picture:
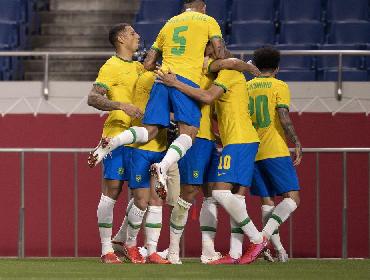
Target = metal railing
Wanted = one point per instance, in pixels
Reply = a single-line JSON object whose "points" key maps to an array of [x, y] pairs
{"points": [[47, 55], [316, 151]]}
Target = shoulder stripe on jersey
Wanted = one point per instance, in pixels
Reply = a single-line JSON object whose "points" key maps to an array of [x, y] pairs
{"points": [[282, 106], [221, 85], [102, 85], [156, 49], [215, 37]]}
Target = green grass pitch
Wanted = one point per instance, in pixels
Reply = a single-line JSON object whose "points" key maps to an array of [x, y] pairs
{"points": [[90, 268]]}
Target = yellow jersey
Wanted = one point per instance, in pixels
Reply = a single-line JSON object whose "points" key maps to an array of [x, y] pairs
{"points": [[265, 95], [182, 41], [118, 77], [234, 121], [140, 99]]}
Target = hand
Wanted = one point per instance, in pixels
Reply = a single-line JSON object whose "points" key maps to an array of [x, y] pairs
{"points": [[169, 79], [253, 69], [298, 154], [131, 110]]}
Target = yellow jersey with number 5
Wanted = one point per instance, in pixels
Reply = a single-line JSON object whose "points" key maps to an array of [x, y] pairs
{"points": [[265, 95], [182, 42], [234, 121]]}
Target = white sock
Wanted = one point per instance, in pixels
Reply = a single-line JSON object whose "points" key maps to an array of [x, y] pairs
{"points": [[177, 150], [275, 237], [135, 134], [121, 235], [236, 240], [178, 219], [280, 214], [153, 228], [105, 219], [134, 219], [208, 225], [235, 206]]}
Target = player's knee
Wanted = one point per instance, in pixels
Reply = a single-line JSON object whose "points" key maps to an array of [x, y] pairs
{"points": [[294, 195], [188, 193], [152, 131], [141, 203]]}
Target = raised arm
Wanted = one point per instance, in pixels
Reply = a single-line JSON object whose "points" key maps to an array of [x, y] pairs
{"points": [[97, 98], [151, 59], [234, 64], [289, 131], [219, 47], [204, 96]]}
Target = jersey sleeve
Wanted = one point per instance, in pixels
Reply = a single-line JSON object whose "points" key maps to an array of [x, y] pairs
{"points": [[214, 30], [140, 68], [107, 77], [158, 44], [224, 79], [283, 96]]}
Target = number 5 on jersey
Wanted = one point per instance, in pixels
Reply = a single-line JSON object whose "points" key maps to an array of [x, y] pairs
{"points": [[176, 38]]}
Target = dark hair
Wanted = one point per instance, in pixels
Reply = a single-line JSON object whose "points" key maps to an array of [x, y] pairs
{"points": [[266, 58], [186, 2], [114, 32]]}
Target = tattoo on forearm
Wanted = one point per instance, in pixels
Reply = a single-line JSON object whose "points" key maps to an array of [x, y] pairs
{"points": [[97, 99], [150, 60], [287, 125]]}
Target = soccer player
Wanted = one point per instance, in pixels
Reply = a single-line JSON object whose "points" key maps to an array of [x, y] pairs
{"points": [[274, 172], [181, 43], [236, 163], [112, 92], [145, 198]]}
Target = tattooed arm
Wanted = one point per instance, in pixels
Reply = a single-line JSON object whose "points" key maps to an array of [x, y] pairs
{"points": [[98, 99], [151, 58], [289, 131]]}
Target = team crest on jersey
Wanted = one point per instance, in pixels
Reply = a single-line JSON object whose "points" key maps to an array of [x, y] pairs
{"points": [[138, 178], [195, 173], [121, 170]]}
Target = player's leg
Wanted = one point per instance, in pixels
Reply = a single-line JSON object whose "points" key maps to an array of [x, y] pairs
{"points": [[121, 236]]}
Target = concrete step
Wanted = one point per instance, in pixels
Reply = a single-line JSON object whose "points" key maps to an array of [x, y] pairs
{"points": [[74, 29], [61, 76], [94, 5], [64, 65], [80, 17], [73, 41]]}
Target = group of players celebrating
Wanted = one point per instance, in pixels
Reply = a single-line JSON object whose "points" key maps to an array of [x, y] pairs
{"points": [[197, 85]]}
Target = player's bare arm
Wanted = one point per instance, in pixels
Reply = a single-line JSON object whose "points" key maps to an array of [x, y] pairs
{"points": [[98, 99], [234, 64], [151, 59], [204, 96], [219, 48], [289, 130]]}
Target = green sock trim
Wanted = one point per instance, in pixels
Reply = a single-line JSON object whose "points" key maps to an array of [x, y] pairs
{"points": [[276, 218], [177, 149], [275, 232], [133, 225], [176, 227], [243, 223], [237, 230], [205, 228], [105, 225], [133, 134], [149, 225]]}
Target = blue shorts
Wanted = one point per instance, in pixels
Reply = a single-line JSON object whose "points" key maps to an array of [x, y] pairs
{"points": [[140, 163], [274, 176], [115, 164], [235, 164], [164, 99], [194, 166]]}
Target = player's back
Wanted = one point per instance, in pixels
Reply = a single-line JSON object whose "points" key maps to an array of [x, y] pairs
{"points": [[182, 42], [266, 94]]}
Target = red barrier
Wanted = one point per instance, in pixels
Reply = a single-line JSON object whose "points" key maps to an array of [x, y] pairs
{"points": [[55, 131]]}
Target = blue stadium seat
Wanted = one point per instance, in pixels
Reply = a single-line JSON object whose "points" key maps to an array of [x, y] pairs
{"points": [[347, 75], [331, 62], [148, 31], [296, 75], [290, 62], [341, 10], [297, 32], [13, 11], [253, 10], [219, 9], [158, 10], [295, 10], [357, 32], [252, 33], [9, 35]]}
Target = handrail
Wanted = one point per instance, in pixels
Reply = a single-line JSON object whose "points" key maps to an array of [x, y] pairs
{"points": [[242, 53]]}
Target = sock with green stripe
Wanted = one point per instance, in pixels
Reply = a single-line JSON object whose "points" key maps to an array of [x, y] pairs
{"points": [[275, 237], [280, 214], [208, 225], [105, 219], [177, 150], [121, 235], [236, 240], [179, 217], [134, 219], [135, 134], [235, 206], [153, 228]]}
